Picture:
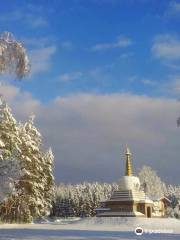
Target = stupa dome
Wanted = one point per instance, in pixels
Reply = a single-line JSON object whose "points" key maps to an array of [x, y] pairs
{"points": [[129, 183]]}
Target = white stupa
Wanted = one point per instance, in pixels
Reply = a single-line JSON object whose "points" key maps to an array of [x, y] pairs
{"points": [[129, 199]]}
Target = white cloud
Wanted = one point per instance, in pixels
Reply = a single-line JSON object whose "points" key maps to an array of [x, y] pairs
{"points": [[38, 42], [40, 59], [88, 133], [172, 86], [23, 102], [175, 86], [66, 45], [66, 77], [149, 82], [36, 22], [166, 47], [31, 17], [121, 42], [9, 91], [41, 51], [127, 55], [174, 8]]}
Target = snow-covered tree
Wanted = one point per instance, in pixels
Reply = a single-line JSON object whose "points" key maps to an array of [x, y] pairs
{"points": [[151, 183], [9, 163], [35, 187], [13, 56], [49, 186], [27, 182], [9, 139], [173, 194], [36, 184], [155, 188], [81, 199], [9, 175]]}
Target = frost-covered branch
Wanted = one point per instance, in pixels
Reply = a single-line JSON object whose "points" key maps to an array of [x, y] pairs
{"points": [[13, 56], [9, 175], [151, 183]]}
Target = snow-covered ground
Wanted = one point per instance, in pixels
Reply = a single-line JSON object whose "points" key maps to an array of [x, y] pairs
{"points": [[93, 228]]}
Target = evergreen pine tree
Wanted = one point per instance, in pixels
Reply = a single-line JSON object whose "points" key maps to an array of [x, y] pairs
{"points": [[49, 186], [35, 187], [9, 139], [9, 164]]}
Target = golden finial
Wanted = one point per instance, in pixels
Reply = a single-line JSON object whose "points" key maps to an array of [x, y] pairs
{"points": [[128, 171]]}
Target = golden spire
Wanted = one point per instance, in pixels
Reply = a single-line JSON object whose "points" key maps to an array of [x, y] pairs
{"points": [[128, 171]]}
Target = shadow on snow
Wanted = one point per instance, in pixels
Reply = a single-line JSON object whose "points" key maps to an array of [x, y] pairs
{"points": [[8, 234]]}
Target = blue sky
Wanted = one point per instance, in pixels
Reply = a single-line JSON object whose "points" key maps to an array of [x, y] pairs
{"points": [[97, 46], [104, 73]]}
